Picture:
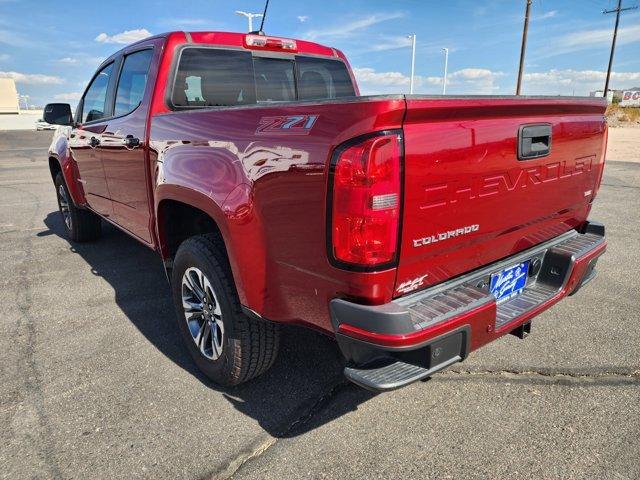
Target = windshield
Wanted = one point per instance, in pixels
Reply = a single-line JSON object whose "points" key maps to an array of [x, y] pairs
{"points": [[209, 77]]}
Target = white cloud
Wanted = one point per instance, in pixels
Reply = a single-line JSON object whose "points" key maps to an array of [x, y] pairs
{"points": [[15, 39], [467, 80], [355, 26], [68, 97], [303, 18], [482, 81], [546, 15], [578, 82], [32, 78], [591, 37], [69, 61], [474, 75], [588, 39], [80, 59], [390, 43], [369, 79], [128, 36]]}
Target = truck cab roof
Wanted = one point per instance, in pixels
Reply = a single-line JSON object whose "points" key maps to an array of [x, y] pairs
{"points": [[245, 41]]}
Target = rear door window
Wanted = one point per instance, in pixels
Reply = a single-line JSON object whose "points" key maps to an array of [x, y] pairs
{"points": [[132, 82]]}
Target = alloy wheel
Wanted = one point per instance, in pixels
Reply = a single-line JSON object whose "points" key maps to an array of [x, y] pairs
{"points": [[64, 206], [202, 313]]}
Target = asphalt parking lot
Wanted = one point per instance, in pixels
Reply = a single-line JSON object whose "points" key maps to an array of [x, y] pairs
{"points": [[96, 383]]}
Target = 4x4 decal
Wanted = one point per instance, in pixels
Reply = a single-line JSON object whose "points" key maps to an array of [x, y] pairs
{"points": [[286, 125]]}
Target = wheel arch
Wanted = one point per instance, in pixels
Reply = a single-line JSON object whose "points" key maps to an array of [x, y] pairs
{"points": [[65, 166], [182, 213], [54, 167]]}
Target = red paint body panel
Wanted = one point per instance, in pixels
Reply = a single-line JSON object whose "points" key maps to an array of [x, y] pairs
{"points": [[267, 191], [462, 169], [126, 169], [269, 194]]}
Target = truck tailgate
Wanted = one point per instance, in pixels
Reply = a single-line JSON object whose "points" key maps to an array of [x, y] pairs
{"points": [[469, 199]]}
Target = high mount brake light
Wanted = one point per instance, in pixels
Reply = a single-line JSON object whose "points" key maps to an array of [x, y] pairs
{"points": [[270, 43], [365, 202]]}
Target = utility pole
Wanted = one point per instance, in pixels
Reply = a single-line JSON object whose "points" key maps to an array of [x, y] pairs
{"points": [[523, 47], [413, 60], [250, 17], [613, 42], [446, 64]]}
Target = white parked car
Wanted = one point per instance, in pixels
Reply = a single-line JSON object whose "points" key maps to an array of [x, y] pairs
{"points": [[42, 125]]}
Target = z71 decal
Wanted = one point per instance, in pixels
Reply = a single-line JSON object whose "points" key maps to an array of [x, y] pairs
{"points": [[289, 125]]}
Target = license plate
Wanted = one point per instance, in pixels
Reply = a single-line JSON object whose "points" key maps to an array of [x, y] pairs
{"points": [[509, 282]]}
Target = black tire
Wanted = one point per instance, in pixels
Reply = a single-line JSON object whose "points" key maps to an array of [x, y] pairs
{"points": [[81, 225], [249, 346]]}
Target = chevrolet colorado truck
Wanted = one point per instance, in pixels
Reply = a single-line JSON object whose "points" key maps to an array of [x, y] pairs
{"points": [[412, 229]]}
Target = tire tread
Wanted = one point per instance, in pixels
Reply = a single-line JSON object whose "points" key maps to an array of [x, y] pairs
{"points": [[85, 225], [258, 340]]}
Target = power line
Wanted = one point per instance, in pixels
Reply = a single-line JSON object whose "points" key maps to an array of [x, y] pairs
{"points": [[617, 11]]}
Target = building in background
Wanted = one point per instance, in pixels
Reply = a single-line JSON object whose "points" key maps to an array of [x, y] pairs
{"points": [[12, 117], [599, 93], [630, 98], [625, 98], [8, 97]]}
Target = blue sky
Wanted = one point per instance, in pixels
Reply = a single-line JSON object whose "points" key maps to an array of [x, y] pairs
{"points": [[52, 48]]}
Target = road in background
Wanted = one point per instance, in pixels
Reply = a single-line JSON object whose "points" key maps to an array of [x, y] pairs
{"points": [[96, 383]]}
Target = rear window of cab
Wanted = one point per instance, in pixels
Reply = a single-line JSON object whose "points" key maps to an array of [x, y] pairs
{"points": [[211, 77]]}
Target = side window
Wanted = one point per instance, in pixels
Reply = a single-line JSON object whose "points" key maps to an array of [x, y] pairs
{"points": [[94, 104], [132, 81], [208, 77]]}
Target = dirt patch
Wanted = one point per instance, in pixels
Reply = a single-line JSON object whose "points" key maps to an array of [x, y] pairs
{"points": [[624, 144], [618, 116]]}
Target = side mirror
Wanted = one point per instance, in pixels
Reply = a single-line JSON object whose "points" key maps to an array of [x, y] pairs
{"points": [[58, 114]]}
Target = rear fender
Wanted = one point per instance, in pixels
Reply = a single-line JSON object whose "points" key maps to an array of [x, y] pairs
{"points": [[241, 232]]}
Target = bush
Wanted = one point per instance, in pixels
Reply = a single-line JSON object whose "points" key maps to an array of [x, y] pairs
{"points": [[617, 115]]}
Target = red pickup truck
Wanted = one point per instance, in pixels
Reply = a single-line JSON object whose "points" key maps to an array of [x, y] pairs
{"points": [[413, 229]]}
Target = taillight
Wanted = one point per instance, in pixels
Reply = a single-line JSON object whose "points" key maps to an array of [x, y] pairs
{"points": [[365, 194]]}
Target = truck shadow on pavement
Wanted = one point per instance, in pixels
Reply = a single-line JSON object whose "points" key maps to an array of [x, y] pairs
{"points": [[295, 396]]}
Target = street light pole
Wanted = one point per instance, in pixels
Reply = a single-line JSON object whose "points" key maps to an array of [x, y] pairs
{"points": [[446, 64], [413, 60], [249, 16]]}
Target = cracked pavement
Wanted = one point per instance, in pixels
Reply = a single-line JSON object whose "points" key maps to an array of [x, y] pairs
{"points": [[96, 384]]}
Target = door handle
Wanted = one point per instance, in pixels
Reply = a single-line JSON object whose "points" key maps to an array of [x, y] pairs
{"points": [[534, 141], [131, 142], [94, 142]]}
